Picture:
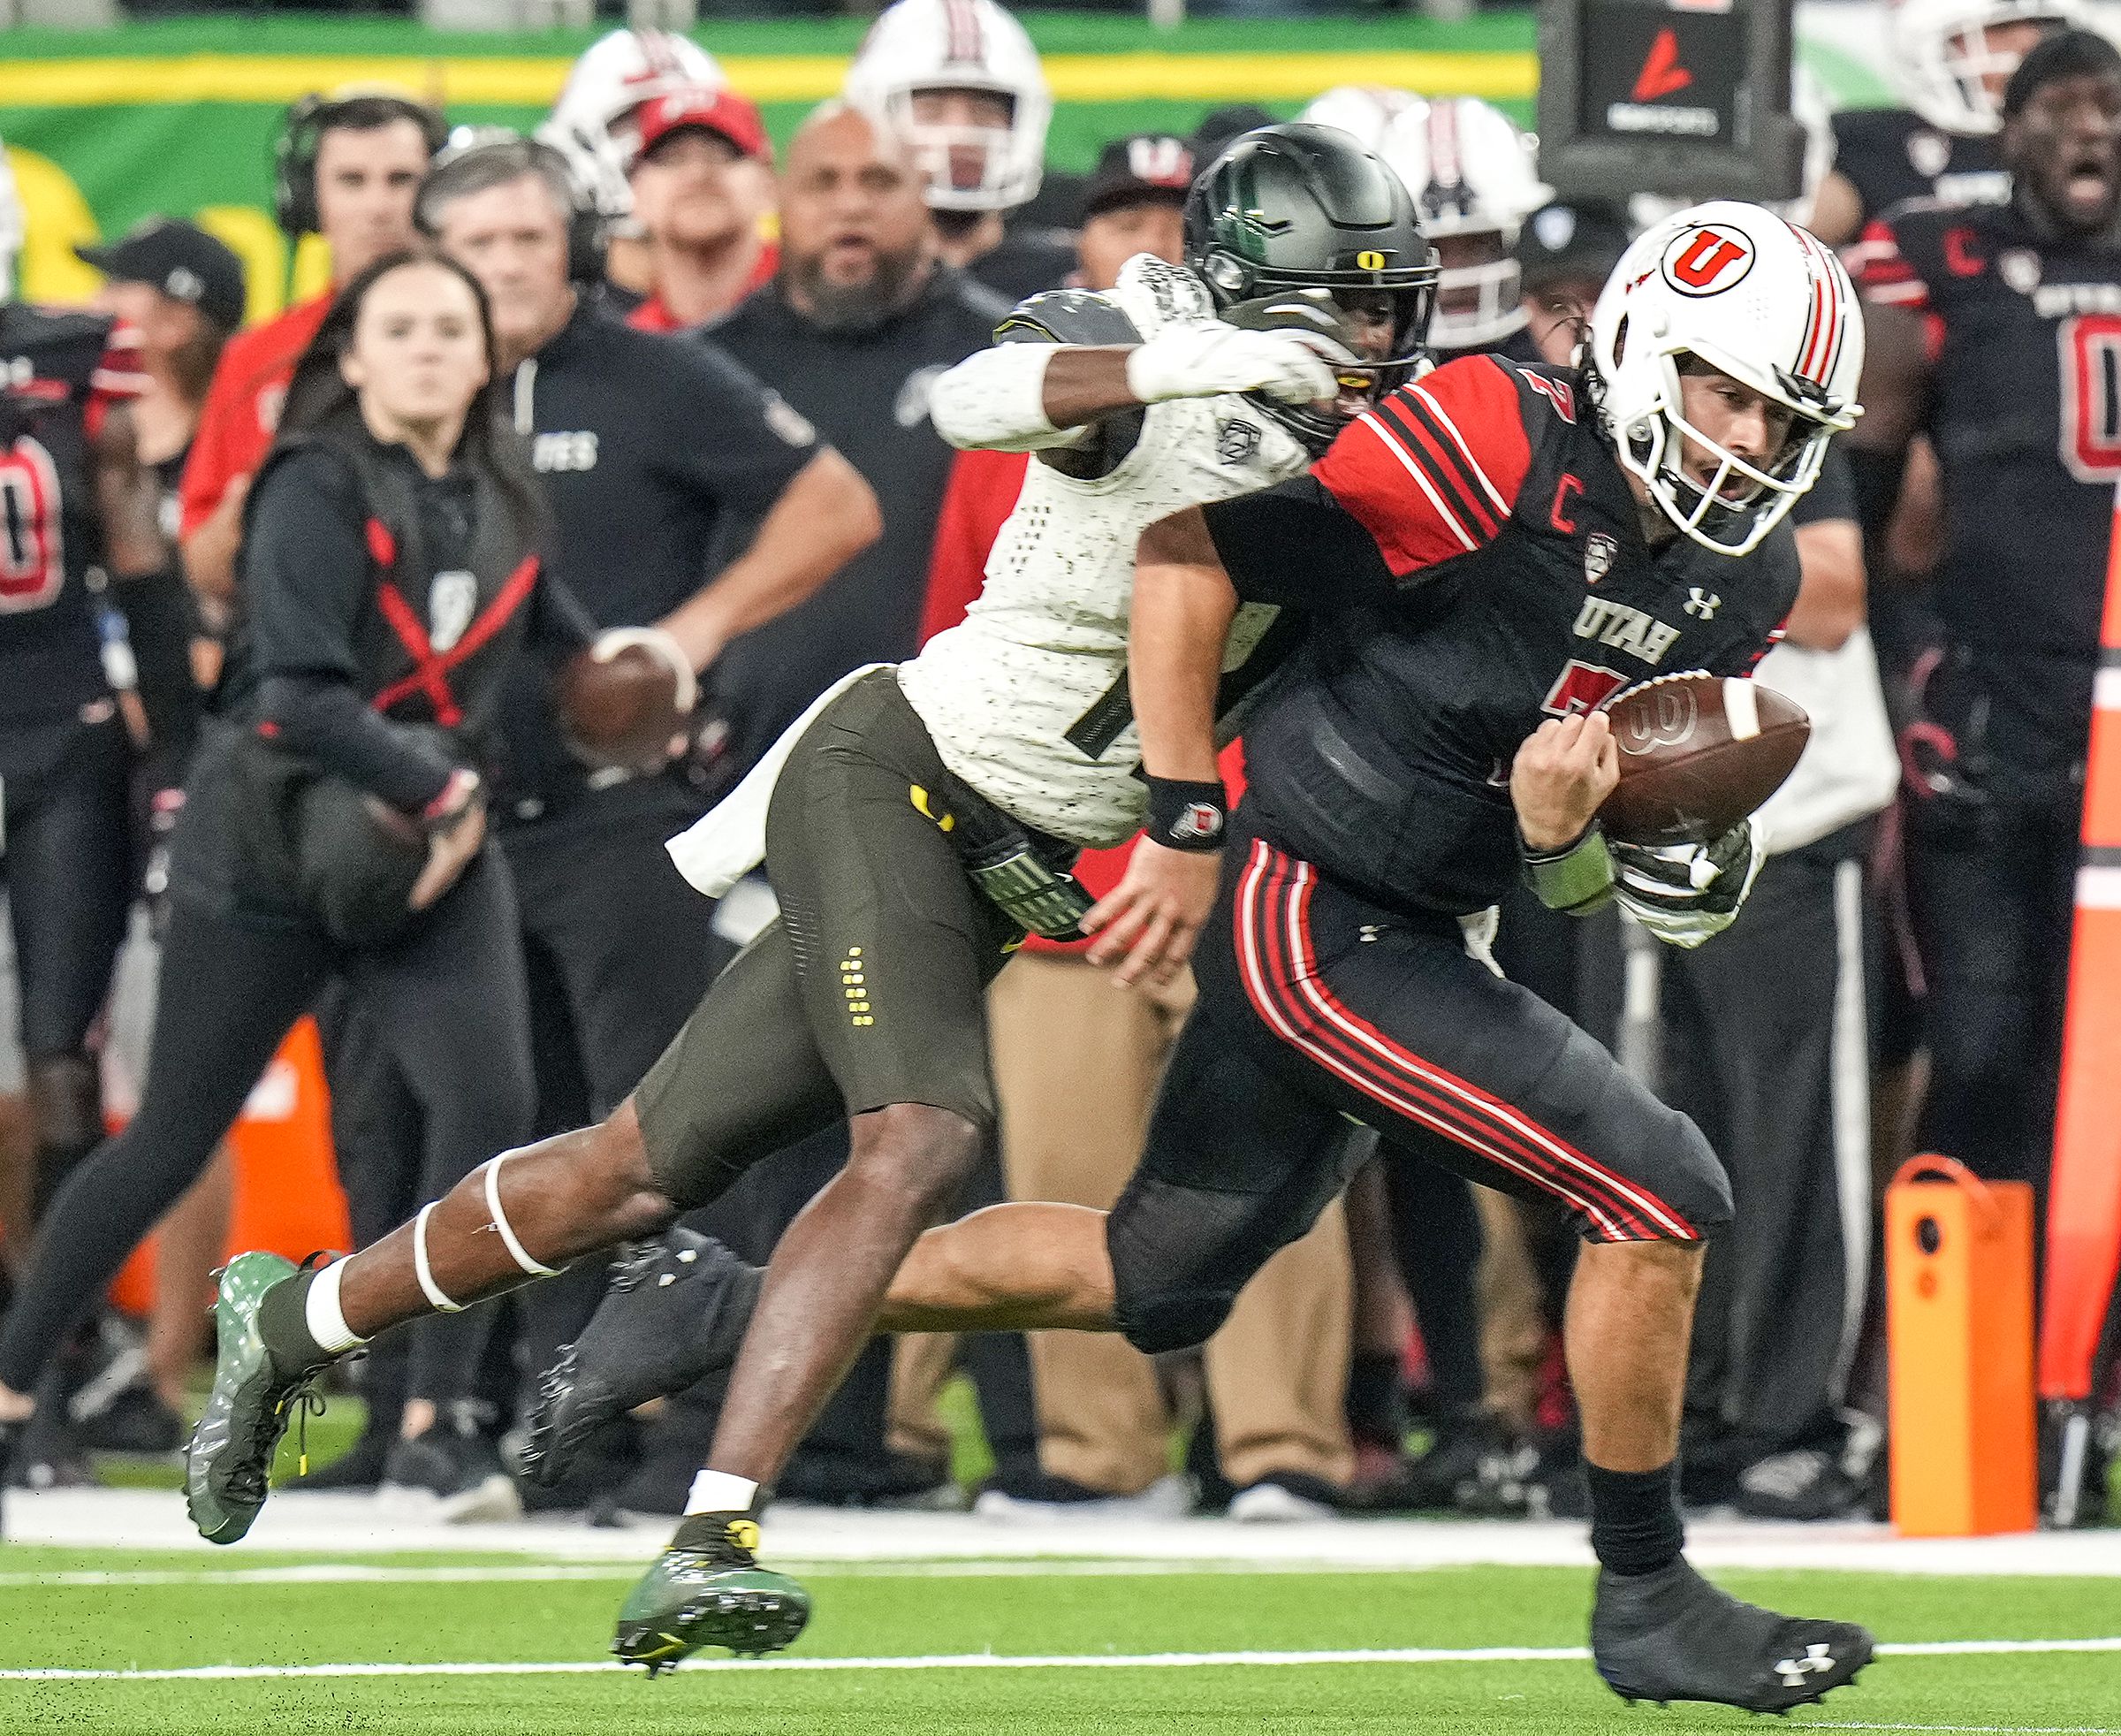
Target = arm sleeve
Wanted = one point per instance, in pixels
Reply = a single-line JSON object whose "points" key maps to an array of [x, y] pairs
{"points": [[1434, 471], [119, 378], [995, 400], [1295, 546], [744, 443], [559, 626], [305, 572], [1882, 272]]}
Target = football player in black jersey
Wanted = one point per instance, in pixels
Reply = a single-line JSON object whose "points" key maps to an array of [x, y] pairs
{"points": [[77, 537], [1994, 330], [1952, 57]]}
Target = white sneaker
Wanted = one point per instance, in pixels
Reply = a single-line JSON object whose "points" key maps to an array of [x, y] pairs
{"points": [[1270, 1504]]}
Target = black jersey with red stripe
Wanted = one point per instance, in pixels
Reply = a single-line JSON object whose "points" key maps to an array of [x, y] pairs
{"points": [[58, 372], [1891, 156], [1473, 561], [2023, 408]]}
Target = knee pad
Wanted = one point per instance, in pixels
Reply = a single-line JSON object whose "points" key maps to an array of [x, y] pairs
{"points": [[1178, 1257], [1165, 1319], [1691, 1178]]}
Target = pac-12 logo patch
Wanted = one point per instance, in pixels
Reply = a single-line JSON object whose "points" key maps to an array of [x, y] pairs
{"points": [[1237, 440], [1707, 259], [1599, 550], [1201, 819]]}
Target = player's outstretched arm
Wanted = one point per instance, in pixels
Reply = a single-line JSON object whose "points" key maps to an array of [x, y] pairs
{"points": [[1183, 604], [1030, 396]]}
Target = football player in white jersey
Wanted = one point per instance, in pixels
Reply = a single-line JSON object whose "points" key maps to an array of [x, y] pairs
{"points": [[915, 824]]}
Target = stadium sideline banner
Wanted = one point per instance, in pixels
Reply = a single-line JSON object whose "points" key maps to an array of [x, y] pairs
{"points": [[178, 116]]}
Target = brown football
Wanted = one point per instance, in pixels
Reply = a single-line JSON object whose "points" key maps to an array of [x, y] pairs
{"points": [[1698, 753], [620, 711]]}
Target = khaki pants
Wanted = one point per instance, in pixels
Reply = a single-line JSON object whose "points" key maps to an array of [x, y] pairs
{"points": [[1077, 1063]]}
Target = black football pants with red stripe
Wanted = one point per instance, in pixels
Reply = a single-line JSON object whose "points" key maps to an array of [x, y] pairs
{"points": [[1319, 1008]]}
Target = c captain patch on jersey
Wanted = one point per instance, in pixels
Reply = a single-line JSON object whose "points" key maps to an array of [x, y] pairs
{"points": [[1697, 754]]}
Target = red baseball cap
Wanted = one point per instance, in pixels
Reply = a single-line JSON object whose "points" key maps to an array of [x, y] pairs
{"points": [[722, 113]]}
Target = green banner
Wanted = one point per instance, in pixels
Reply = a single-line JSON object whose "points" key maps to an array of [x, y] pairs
{"points": [[179, 117]]}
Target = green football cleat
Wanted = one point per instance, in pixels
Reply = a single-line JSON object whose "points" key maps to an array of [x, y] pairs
{"points": [[253, 1401], [708, 1589]]}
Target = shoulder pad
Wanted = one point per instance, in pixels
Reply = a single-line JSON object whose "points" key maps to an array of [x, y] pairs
{"points": [[1067, 317], [1872, 127], [62, 343]]}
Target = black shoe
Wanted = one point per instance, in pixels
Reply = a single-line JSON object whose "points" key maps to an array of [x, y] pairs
{"points": [[1805, 1483], [1671, 1635], [457, 1467], [10, 1434], [48, 1454], [675, 1312], [359, 1468], [134, 1421], [1474, 1467]]}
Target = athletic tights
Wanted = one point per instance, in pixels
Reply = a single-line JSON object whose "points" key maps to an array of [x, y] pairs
{"points": [[448, 997]]}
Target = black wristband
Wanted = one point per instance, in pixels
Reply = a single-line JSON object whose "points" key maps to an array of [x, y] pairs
{"points": [[1186, 816]]}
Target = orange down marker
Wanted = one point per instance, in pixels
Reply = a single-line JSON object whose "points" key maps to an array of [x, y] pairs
{"points": [[2084, 1209]]}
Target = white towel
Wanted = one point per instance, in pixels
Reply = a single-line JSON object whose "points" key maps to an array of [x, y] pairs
{"points": [[729, 841]]}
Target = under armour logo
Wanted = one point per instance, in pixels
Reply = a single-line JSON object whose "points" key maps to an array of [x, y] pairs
{"points": [[1817, 1661], [1702, 604]]}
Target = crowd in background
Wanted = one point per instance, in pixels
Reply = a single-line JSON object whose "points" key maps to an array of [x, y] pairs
{"points": [[718, 354]]}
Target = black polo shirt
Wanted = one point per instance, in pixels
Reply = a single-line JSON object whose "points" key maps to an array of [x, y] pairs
{"points": [[653, 450], [868, 393]]}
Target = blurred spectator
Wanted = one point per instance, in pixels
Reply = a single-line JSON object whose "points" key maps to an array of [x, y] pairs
{"points": [[395, 475], [1565, 252], [1951, 58], [182, 292], [959, 81], [650, 447], [595, 124], [1364, 110], [83, 547], [1076, 1064], [702, 189], [346, 168], [1765, 1047], [1968, 312]]}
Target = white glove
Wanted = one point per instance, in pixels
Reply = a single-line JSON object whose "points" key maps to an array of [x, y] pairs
{"points": [[1208, 361], [1683, 894]]}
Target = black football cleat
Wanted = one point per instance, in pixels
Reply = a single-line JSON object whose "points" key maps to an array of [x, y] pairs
{"points": [[674, 1312], [1671, 1635]]}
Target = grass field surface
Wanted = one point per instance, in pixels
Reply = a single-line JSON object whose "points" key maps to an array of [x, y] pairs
{"points": [[978, 1647]]}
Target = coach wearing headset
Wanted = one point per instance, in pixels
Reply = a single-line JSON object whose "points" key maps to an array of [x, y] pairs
{"points": [[654, 450], [345, 168]]}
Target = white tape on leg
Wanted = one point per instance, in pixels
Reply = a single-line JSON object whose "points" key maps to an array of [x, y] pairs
{"points": [[433, 1290], [516, 1250]]}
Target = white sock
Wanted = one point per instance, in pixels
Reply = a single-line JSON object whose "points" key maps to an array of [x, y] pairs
{"points": [[326, 1320], [718, 1492]]}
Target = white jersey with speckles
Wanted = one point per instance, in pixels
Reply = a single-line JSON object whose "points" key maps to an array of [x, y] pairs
{"points": [[1002, 692]]}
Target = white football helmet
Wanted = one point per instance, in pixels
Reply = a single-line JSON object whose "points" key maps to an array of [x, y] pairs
{"points": [[1471, 172], [1942, 54], [1736, 287], [592, 124], [928, 45], [1364, 110]]}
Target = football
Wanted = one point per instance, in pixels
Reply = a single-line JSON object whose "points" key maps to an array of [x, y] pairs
{"points": [[1698, 753], [622, 710]]}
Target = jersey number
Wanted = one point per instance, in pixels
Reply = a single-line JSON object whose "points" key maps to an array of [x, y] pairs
{"points": [[2091, 397], [1581, 688], [32, 565]]}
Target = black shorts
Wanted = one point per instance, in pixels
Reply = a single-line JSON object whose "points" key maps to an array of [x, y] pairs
{"points": [[868, 990], [1318, 1009]]}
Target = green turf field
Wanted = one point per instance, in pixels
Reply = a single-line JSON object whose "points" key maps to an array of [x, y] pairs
{"points": [[74, 1610]]}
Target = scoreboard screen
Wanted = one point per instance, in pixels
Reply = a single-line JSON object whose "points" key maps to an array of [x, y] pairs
{"points": [[1689, 98]]}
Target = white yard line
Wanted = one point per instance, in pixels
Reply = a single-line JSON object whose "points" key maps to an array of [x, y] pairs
{"points": [[225, 1672]]}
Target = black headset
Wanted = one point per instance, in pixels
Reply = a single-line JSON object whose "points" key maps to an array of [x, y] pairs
{"points": [[294, 157], [587, 230]]}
